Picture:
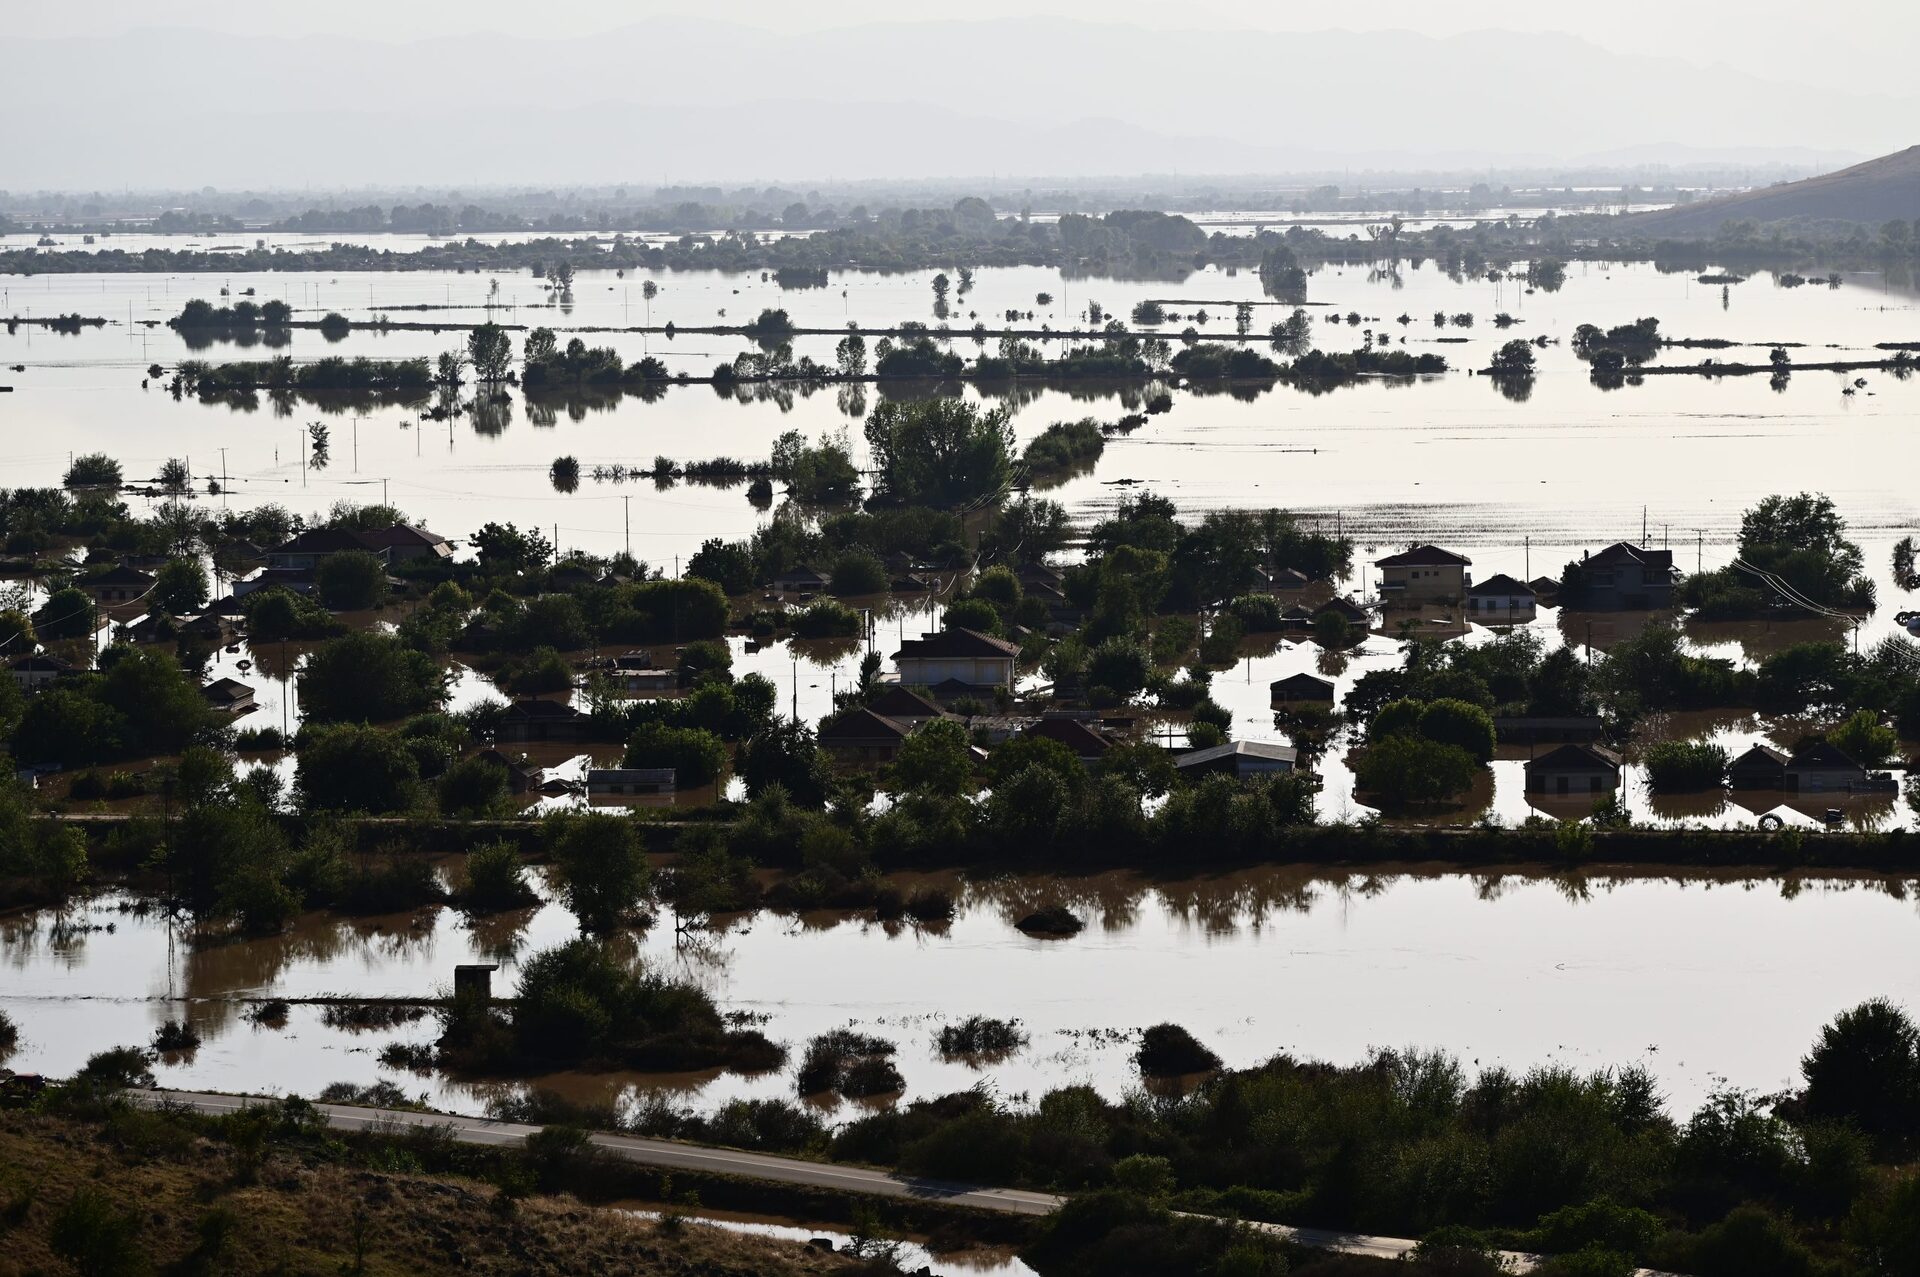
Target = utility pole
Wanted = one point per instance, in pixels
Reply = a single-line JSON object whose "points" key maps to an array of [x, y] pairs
{"points": [[356, 442], [626, 521], [1527, 542]]}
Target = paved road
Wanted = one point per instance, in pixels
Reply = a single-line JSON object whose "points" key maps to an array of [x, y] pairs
{"points": [[783, 1170]]}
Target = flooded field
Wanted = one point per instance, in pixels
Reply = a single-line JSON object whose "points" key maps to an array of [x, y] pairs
{"points": [[1509, 969]]}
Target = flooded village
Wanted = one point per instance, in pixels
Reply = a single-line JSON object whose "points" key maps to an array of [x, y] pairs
{"points": [[1224, 725]]}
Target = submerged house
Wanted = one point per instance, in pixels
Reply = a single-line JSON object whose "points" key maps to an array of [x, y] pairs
{"points": [[1574, 769], [959, 656], [620, 782], [37, 669], [1087, 742], [538, 720], [1501, 600], [1424, 574], [1300, 689], [1759, 768], [1240, 759], [122, 584], [1621, 578], [860, 737], [1820, 768], [229, 696]]}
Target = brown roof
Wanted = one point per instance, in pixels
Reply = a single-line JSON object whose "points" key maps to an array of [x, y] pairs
{"points": [[1623, 552], [1501, 583], [1423, 556], [1580, 758], [954, 641], [400, 534], [541, 709], [1074, 734], [895, 701], [1319, 687], [859, 725]]}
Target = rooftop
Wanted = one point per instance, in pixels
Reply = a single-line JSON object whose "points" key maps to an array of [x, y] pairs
{"points": [[1424, 556]]}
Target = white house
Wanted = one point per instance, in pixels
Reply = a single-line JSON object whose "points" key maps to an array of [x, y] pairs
{"points": [[957, 655], [1500, 600]]}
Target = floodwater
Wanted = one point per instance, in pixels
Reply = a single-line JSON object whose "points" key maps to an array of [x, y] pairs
{"points": [[912, 1256], [1521, 486], [1707, 980]]}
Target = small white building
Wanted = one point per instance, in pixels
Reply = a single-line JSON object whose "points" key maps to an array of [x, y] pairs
{"points": [[1501, 600]]}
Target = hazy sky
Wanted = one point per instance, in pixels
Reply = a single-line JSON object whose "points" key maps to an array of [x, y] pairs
{"points": [[1837, 42], [348, 91]]}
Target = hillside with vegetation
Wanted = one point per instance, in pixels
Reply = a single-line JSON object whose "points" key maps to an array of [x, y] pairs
{"points": [[1877, 191]]}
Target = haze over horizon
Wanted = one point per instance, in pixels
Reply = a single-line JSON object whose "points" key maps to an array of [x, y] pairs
{"points": [[593, 91]]}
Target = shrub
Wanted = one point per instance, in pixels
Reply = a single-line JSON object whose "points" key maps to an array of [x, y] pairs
{"points": [[858, 572], [1677, 767], [496, 879], [979, 1035], [1167, 1050], [93, 1235], [849, 1063]]}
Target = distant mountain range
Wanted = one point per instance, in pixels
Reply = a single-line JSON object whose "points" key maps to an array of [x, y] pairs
{"points": [[689, 99], [1874, 192]]}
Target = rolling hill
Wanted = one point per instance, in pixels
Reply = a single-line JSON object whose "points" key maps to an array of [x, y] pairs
{"points": [[1874, 192]]}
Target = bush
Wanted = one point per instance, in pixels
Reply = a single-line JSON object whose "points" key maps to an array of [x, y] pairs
{"points": [[473, 788], [980, 1035], [1405, 771], [351, 581], [858, 572], [1678, 767], [1167, 1050], [496, 879], [826, 618], [695, 755], [850, 1064], [93, 1235]]}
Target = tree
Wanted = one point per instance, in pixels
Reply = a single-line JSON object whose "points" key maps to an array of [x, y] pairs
{"points": [[1863, 739], [491, 352], [67, 613], [474, 788], [354, 768], [1406, 770], [1454, 722], [162, 707], [603, 872], [851, 355], [728, 564], [1515, 359], [1120, 663], [174, 475], [369, 677], [858, 571], [695, 755], [935, 759], [1865, 1069], [502, 547], [180, 586], [540, 348], [785, 753], [939, 452], [93, 470], [351, 581]]}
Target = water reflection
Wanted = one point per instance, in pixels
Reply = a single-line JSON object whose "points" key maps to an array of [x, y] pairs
{"points": [[1584, 968]]}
